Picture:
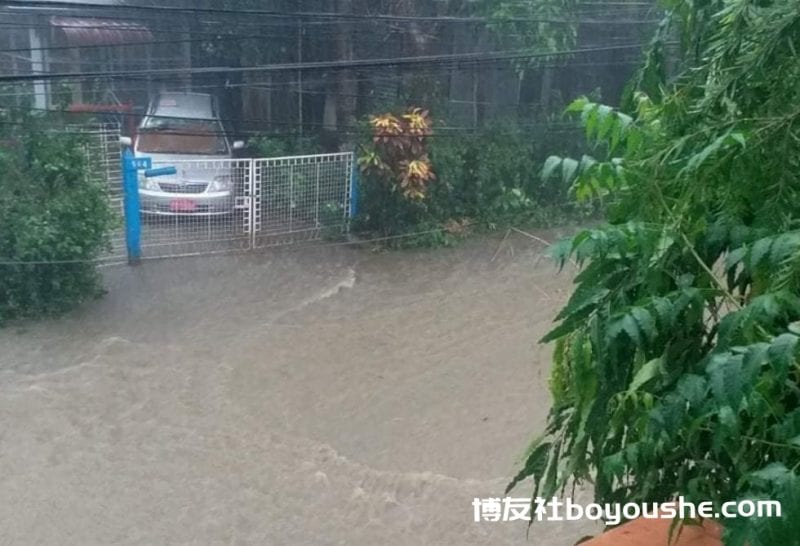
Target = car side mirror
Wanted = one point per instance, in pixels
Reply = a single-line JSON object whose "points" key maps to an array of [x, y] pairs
{"points": [[125, 141], [239, 145]]}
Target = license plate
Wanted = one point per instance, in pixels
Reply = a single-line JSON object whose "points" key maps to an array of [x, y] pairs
{"points": [[182, 205]]}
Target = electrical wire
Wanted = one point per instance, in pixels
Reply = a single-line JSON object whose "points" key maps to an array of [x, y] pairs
{"points": [[8, 262], [319, 65], [294, 15], [291, 84], [439, 131]]}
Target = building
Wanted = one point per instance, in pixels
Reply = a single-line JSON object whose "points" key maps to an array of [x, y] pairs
{"points": [[62, 40]]}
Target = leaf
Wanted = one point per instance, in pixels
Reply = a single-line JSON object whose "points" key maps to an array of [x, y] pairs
{"points": [[613, 466], [563, 329], [645, 322], [663, 309], [581, 300], [587, 162], [665, 242], [782, 352], [669, 414], [759, 252], [774, 473], [569, 168], [692, 388], [698, 159], [726, 378], [729, 421], [628, 325], [534, 465], [753, 360], [561, 251], [649, 371], [550, 477], [783, 247], [734, 257], [634, 143], [577, 105], [607, 121], [550, 165], [739, 137]]}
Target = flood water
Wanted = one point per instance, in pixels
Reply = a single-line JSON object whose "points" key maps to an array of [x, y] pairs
{"points": [[318, 395]]}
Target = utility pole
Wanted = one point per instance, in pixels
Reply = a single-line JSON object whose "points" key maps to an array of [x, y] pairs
{"points": [[300, 32], [347, 87], [38, 67]]}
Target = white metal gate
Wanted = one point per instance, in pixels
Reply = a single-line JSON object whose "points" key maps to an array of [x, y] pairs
{"points": [[104, 155], [301, 198], [220, 205]]}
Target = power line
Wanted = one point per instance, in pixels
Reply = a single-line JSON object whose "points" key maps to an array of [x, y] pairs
{"points": [[298, 15], [290, 28], [291, 85], [320, 65], [352, 129], [210, 37], [9, 262], [216, 38]]}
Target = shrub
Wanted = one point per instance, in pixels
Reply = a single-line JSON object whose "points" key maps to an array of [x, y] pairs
{"points": [[398, 157], [488, 178], [398, 175], [284, 145], [54, 218]]}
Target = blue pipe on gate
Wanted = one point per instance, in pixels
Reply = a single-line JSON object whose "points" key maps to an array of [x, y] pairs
{"points": [[162, 171]]}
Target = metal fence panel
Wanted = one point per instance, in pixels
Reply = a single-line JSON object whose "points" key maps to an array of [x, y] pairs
{"points": [[203, 208], [302, 198], [105, 156]]}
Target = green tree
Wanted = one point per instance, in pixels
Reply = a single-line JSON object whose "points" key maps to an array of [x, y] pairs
{"points": [[676, 369], [54, 219]]}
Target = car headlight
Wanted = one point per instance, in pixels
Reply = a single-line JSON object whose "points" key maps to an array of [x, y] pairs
{"points": [[148, 183], [221, 183]]}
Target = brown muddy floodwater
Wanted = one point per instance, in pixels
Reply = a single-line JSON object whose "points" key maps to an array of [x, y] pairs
{"points": [[307, 396]]}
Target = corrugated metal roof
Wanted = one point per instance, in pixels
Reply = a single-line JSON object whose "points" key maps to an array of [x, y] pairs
{"points": [[80, 31]]}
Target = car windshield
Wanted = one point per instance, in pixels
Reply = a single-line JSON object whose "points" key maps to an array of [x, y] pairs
{"points": [[181, 136]]}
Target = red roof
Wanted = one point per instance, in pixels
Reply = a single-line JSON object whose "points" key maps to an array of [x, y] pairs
{"points": [[86, 31]]}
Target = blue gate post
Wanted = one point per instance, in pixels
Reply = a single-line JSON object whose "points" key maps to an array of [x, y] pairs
{"points": [[354, 190], [133, 221]]}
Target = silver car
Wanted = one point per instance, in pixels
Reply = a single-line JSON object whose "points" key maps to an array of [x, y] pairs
{"points": [[183, 130]]}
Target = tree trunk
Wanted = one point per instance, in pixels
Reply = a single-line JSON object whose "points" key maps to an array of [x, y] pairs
{"points": [[547, 89], [347, 87]]}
